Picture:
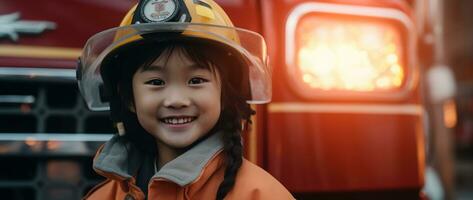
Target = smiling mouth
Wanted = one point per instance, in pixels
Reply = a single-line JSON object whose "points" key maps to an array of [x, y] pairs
{"points": [[178, 120]]}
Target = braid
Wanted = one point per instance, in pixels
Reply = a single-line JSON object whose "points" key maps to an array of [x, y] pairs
{"points": [[233, 148], [235, 92], [233, 159]]}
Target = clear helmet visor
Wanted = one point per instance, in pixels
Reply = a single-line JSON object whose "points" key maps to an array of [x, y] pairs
{"points": [[249, 45]]}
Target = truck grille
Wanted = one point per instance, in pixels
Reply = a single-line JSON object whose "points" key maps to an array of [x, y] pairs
{"points": [[47, 139]]}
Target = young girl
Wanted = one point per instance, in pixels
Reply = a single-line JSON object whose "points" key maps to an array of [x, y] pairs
{"points": [[177, 77]]}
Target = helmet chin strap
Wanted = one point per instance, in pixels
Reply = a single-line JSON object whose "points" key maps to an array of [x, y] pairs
{"points": [[116, 113]]}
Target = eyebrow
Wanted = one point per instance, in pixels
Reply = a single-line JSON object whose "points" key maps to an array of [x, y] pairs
{"points": [[160, 68]]}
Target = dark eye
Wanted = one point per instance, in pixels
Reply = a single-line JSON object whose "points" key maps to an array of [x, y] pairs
{"points": [[157, 82], [197, 80]]}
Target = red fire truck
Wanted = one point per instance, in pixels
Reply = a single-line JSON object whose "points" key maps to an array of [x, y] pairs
{"points": [[347, 119]]}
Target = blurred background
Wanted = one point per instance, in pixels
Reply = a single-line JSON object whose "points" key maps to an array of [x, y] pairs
{"points": [[459, 52], [372, 99]]}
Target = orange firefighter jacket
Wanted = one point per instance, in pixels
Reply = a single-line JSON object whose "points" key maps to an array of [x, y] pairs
{"points": [[196, 174]]}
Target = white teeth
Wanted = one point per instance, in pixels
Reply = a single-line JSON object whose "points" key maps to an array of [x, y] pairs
{"points": [[178, 120]]}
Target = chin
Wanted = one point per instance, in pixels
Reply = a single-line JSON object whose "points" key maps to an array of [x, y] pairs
{"points": [[181, 140], [178, 143]]}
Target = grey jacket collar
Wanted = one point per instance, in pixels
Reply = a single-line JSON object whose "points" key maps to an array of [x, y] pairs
{"points": [[122, 158]]}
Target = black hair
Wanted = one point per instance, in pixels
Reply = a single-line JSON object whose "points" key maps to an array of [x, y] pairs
{"points": [[235, 114]]}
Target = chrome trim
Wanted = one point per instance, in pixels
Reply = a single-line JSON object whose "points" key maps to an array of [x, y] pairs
{"points": [[20, 99], [55, 137], [48, 52], [51, 144], [388, 109], [11, 26], [363, 11], [47, 74]]}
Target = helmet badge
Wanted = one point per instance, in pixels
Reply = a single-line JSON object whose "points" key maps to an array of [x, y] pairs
{"points": [[159, 10]]}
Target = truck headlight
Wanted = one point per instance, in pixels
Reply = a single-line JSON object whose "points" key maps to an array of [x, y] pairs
{"points": [[332, 50]]}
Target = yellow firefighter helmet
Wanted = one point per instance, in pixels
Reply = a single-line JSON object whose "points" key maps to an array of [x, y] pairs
{"points": [[169, 20]]}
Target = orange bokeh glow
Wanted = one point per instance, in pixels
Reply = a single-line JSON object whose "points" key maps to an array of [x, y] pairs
{"points": [[349, 55]]}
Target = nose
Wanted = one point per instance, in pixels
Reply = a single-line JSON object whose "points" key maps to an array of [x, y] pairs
{"points": [[176, 99]]}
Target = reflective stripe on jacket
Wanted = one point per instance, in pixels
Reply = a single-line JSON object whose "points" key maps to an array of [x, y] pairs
{"points": [[196, 174]]}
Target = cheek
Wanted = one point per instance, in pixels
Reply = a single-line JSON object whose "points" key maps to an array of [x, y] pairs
{"points": [[137, 98], [212, 101], [145, 103], [146, 110]]}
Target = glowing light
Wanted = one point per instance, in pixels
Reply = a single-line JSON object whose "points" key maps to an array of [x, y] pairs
{"points": [[392, 59], [53, 145], [450, 114], [30, 141], [349, 55]]}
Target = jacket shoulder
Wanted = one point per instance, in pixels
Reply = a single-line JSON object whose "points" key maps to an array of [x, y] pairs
{"points": [[252, 182], [104, 190]]}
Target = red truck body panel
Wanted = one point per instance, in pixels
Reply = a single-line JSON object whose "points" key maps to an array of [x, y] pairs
{"points": [[327, 151]]}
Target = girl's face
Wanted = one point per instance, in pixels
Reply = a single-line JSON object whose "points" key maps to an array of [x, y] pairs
{"points": [[176, 101]]}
